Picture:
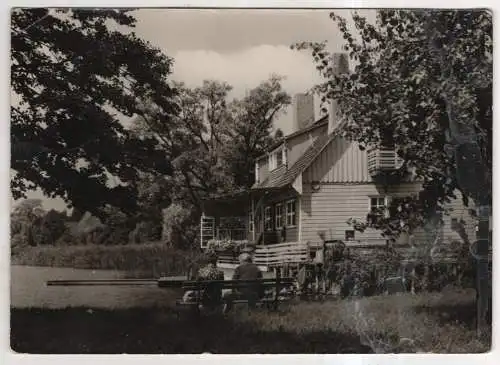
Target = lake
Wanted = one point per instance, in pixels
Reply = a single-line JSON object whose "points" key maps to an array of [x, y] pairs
{"points": [[28, 289]]}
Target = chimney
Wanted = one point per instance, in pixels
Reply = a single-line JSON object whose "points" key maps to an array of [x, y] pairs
{"points": [[303, 111], [340, 65]]}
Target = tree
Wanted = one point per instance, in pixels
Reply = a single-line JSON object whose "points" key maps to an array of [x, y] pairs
{"points": [[253, 119], [52, 227], [23, 221], [398, 86], [215, 141], [426, 78], [72, 73], [179, 227]]}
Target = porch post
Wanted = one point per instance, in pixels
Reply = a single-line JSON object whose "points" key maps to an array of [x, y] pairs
{"points": [[299, 210], [263, 219], [253, 220]]}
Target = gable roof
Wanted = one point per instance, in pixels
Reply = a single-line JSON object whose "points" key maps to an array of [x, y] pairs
{"points": [[319, 123], [282, 177]]}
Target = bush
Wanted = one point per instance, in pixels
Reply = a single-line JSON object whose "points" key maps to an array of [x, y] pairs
{"points": [[180, 227], [151, 259]]}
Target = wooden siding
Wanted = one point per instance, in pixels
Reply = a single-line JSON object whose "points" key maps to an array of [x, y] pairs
{"points": [[340, 162], [332, 205], [329, 208]]}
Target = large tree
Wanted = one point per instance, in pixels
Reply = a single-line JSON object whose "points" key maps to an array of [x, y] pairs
{"points": [[422, 79], [73, 73], [251, 131], [216, 139], [418, 76]]}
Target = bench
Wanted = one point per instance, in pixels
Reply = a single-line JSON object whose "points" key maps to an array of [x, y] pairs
{"points": [[275, 285]]}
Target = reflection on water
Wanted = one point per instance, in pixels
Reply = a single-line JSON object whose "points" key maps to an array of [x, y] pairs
{"points": [[28, 289]]}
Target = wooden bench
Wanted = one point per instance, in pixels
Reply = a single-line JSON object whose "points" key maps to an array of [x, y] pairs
{"points": [[276, 285]]}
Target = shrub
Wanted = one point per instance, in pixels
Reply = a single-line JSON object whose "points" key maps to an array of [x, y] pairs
{"points": [[180, 228], [151, 259]]}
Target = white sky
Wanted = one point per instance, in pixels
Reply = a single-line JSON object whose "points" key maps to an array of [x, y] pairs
{"points": [[241, 47]]}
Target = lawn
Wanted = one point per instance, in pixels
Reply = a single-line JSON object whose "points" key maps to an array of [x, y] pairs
{"points": [[437, 322]]}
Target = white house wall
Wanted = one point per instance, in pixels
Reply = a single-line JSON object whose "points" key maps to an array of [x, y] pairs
{"points": [[329, 208], [341, 173], [341, 161]]}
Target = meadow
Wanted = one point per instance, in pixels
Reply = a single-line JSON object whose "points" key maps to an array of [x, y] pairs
{"points": [[79, 320], [439, 323]]}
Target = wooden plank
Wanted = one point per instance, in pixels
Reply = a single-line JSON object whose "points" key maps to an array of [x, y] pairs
{"points": [[279, 245]]}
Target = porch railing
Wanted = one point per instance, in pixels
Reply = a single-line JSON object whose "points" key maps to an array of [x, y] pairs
{"points": [[233, 234]]}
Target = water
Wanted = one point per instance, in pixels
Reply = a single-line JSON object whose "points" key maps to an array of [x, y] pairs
{"points": [[28, 289]]}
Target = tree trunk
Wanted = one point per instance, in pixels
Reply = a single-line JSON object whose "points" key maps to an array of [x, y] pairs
{"points": [[482, 274]]}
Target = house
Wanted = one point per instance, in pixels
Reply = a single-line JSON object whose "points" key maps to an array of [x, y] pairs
{"points": [[314, 181]]}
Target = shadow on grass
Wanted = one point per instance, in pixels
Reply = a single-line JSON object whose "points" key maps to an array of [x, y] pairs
{"points": [[155, 331], [462, 313]]}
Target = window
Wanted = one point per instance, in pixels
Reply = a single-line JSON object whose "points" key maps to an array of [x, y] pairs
{"points": [[278, 216], [349, 235], [268, 222], [272, 161], [257, 172], [290, 213], [250, 221], [276, 159], [378, 205]]}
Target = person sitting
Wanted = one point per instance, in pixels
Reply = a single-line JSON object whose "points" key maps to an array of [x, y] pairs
{"points": [[211, 295], [247, 270]]}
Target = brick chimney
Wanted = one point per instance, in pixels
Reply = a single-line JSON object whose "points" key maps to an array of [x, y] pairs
{"points": [[340, 64], [303, 111]]}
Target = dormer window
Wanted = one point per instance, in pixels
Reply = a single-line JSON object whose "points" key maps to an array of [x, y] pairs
{"points": [[277, 158]]}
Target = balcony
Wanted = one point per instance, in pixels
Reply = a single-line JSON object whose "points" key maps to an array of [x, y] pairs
{"points": [[382, 160]]}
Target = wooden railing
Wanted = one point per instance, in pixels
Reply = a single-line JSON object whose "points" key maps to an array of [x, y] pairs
{"points": [[380, 160], [233, 234], [281, 254], [271, 255]]}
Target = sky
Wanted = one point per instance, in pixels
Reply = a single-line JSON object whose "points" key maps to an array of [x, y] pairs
{"points": [[241, 47]]}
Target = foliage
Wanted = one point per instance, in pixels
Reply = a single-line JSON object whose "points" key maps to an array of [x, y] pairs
{"points": [[24, 217], [422, 81], [52, 226], [151, 259], [250, 133], [223, 245], [72, 74], [180, 228], [216, 140]]}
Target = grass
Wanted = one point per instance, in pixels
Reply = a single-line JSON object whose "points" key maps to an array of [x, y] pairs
{"points": [[441, 323], [151, 259]]}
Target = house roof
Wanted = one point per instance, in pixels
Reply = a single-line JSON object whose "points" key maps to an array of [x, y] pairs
{"points": [[282, 177], [319, 123]]}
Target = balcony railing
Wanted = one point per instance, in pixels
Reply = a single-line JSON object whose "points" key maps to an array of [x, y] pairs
{"points": [[383, 160]]}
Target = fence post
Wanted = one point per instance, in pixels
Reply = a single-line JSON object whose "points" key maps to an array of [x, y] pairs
{"points": [[278, 280]]}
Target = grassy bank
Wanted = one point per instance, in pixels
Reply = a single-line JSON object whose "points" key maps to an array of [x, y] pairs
{"points": [[442, 323], [152, 259]]}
